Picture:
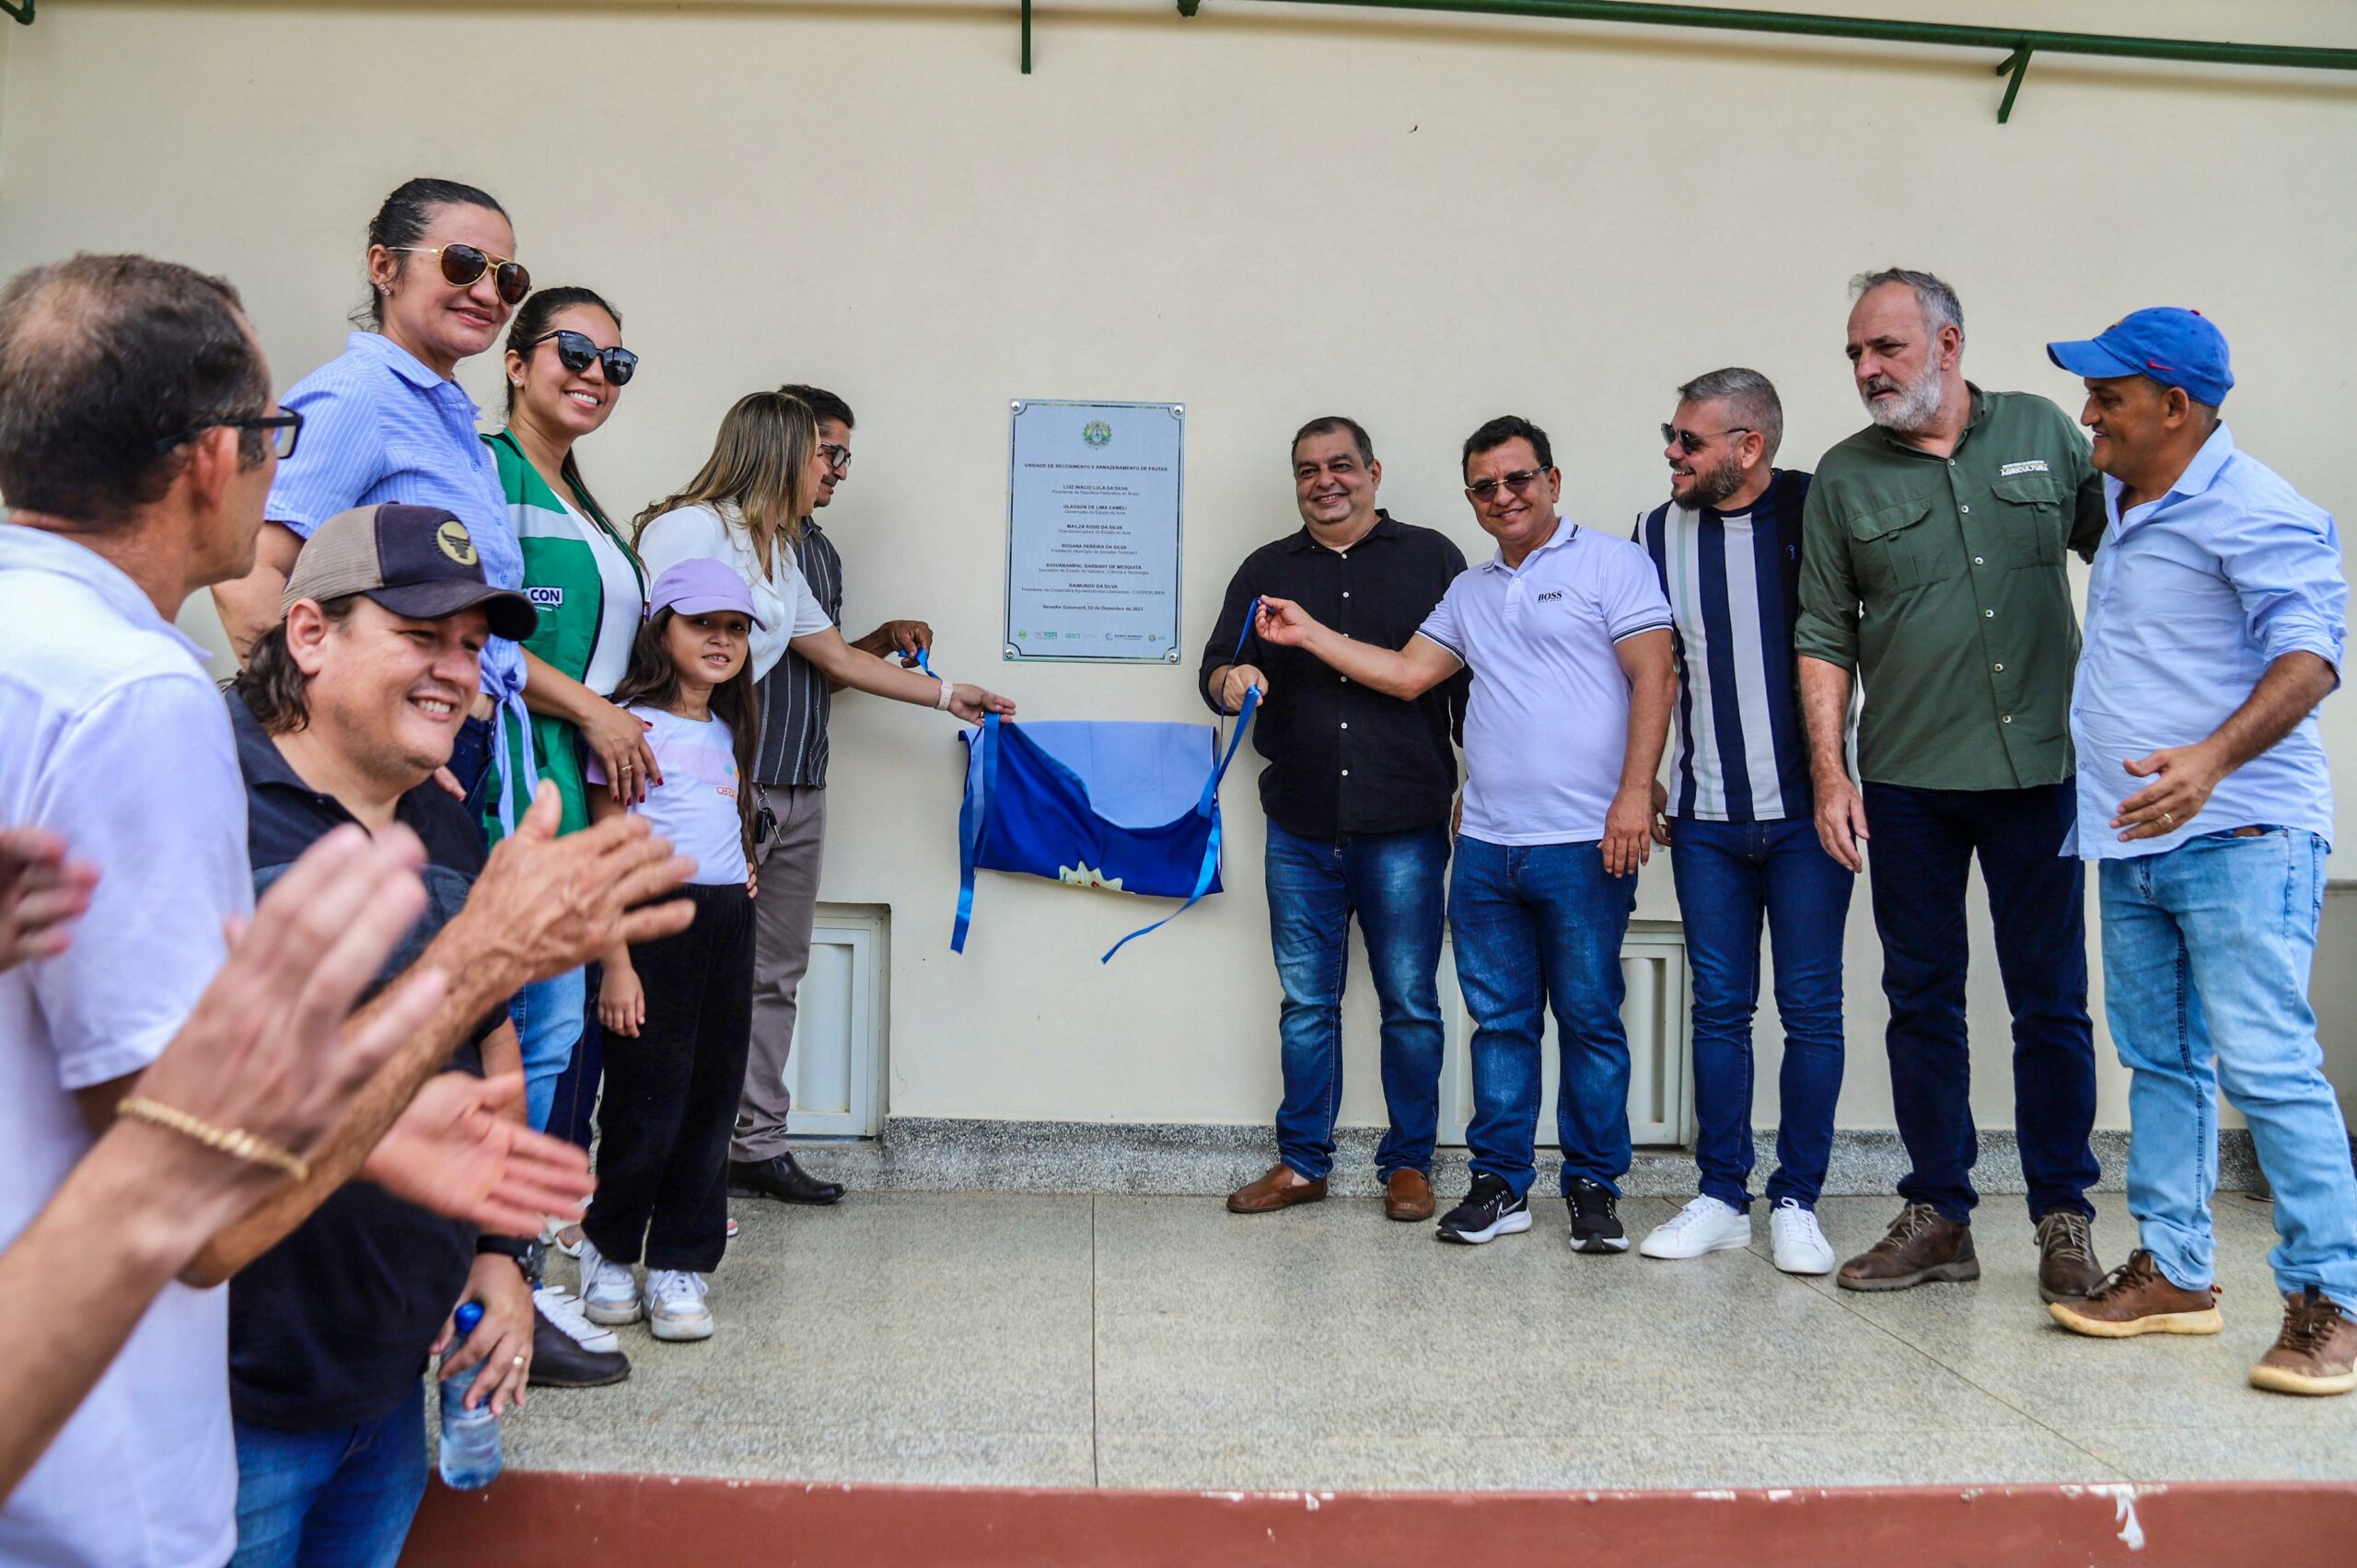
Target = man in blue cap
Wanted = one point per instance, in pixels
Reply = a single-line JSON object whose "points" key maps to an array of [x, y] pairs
{"points": [[2215, 624]]}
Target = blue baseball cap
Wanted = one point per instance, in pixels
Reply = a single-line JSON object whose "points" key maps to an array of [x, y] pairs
{"points": [[698, 587], [2176, 348]]}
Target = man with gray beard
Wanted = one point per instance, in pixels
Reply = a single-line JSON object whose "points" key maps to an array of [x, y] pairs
{"points": [[1932, 568]]}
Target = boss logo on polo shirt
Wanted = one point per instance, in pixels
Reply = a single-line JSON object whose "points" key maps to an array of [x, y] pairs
{"points": [[1550, 594], [546, 598]]}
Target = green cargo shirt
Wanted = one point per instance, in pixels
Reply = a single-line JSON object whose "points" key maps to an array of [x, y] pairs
{"points": [[1941, 581]]}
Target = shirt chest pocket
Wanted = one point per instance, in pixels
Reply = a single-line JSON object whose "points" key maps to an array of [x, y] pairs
{"points": [[2032, 514], [1893, 547]]}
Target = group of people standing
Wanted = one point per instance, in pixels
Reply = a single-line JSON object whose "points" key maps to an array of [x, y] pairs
{"points": [[1923, 568]]}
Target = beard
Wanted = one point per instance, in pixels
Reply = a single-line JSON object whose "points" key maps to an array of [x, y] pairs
{"points": [[1714, 485], [1916, 406]]}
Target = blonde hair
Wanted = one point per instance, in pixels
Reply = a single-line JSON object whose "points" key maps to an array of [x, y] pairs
{"points": [[760, 463]]}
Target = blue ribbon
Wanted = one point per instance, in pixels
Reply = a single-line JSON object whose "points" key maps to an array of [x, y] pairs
{"points": [[970, 818]]}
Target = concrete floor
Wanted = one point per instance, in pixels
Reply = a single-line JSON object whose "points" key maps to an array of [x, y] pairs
{"points": [[1124, 1341]]}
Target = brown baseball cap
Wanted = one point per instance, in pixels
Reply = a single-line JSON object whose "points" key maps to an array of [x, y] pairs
{"points": [[416, 561]]}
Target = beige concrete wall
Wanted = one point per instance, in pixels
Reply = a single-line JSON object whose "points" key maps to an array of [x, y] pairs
{"points": [[1267, 213]]}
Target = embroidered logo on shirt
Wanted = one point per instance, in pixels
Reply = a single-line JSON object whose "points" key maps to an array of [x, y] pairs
{"points": [[1550, 594], [546, 598], [2035, 465]]}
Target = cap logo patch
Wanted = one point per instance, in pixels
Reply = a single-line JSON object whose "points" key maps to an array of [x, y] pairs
{"points": [[456, 542]]}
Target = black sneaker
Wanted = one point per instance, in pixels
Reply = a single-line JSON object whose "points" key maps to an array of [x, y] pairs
{"points": [[1596, 1217], [1490, 1210]]}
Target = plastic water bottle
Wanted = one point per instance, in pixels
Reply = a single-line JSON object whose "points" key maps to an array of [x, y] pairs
{"points": [[470, 1457]]}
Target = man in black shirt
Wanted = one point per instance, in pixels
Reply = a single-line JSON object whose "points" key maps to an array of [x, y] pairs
{"points": [[1358, 791]]}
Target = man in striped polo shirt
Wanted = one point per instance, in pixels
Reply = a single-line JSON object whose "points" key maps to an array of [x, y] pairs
{"points": [[1739, 816]]}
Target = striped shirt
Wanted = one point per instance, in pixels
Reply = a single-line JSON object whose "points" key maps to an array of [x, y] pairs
{"points": [[1737, 750], [795, 696]]}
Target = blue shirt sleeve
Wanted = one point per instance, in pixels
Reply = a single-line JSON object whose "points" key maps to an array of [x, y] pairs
{"points": [[2282, 555], [340, 457]]}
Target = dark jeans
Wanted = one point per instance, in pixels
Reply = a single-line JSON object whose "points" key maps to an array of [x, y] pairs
{"points": [[1534, 925], [671, 1093], [341, 1497], [1925, 841], [1729, 875], [1393, 883], [577, 1087]]}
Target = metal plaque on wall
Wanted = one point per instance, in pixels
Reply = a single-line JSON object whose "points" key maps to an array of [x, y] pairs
{"points": [[1093, 498]]}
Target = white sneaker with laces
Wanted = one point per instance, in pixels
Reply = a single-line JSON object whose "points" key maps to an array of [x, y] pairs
{"points": [[1706, 1224], [1800, 1246], [609, 1296], [674, 1305], [562, 1309]]}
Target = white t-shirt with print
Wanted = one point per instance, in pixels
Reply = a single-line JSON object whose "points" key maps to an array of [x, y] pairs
{"points": [[695, 806]]}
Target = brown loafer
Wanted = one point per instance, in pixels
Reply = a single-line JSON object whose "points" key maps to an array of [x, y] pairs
{"points": [[1281, 1188], [1921, 1249], [1407, 1196], [2139, 1299]]}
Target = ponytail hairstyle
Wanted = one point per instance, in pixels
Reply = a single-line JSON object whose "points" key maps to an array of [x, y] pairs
{"points": [[653, 679], [533, 318], [761, 461], [403, 220]]}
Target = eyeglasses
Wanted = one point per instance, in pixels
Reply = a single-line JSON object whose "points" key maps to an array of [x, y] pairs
{"points": [[462, 264], [576, 353], [1519, 482], [1689, 442], [838, 457], [285, 427]]}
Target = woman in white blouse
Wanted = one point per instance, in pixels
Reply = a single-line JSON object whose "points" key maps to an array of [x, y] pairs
{"points": [[745, 508]]}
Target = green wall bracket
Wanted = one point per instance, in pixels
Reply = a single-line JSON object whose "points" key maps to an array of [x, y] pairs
{"points": [[20, 10], [1026, 37], [2017, 44]]}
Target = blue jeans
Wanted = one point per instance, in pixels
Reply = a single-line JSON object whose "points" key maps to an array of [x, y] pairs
{"points": [[2205, 967], [546, 1015], [1393, 883], [1924, 842], [1729, 875], [1534, 925], [339, 1498], [577, 1087]]}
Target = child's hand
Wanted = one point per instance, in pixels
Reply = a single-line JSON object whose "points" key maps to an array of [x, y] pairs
{"points": [[622, 1002]]}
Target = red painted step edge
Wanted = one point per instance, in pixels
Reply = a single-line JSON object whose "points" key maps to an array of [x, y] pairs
{"points": [[533, 1518]]}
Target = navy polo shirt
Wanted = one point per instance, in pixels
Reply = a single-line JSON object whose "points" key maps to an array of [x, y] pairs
{"points": [[330, 1326]]}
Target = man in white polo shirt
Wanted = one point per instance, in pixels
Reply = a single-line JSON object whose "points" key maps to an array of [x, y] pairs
{"points": [[1567, 636]]}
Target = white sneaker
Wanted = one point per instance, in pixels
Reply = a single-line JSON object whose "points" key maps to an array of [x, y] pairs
{"points": [[563, 1309], [1801, 1247], [675, 1308], [1706, 1224], [609, 1296]]}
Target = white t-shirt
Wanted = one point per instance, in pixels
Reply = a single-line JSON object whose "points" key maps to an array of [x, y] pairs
{"points": [[782, 597], [119, 743], [622, 605], [695, 806], [1547, 724]]}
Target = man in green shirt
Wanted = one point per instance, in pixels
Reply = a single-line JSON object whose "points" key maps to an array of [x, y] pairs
{"points": [[1933, 569]]}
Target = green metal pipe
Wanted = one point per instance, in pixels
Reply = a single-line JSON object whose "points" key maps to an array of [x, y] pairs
{"points": [[20, 10], [1026, 37], [1878, 30]]}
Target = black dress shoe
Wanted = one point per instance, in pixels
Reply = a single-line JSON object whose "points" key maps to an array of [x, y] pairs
{"points": [[778, 1176], [560, 1361]]}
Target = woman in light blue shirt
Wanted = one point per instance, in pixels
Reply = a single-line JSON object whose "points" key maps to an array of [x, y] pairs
{"points": [[386, 421]]}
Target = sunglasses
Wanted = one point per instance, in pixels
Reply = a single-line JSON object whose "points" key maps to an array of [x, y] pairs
{"points": [[1689, 442], [1519, 482], [283, 428], [462, 264], [576, 354]]}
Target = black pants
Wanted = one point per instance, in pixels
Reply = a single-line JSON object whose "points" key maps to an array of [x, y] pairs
{"points": [[1924, 843], [671, 1093]]}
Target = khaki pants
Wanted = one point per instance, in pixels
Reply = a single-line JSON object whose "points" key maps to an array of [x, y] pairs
{"points": [[784, 912]]}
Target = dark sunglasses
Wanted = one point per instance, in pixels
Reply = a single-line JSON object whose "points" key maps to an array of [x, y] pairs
{"points": [[1519, 482], [1689, 442], [462, 264], [284, 429], [576, 354]]}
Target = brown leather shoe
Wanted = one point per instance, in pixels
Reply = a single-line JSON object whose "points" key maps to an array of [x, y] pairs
{"points": [[2137, 1298], [2315, 1354], [1281, 1188], [1407, 1196], [1921, 1249], [2067, 1269]]}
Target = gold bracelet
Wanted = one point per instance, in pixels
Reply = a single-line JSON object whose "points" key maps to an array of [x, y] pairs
{"points": [[236, 1143]]}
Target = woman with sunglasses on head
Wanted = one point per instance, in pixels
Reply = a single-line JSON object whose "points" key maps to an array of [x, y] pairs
{"points": [[386, 421]]}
